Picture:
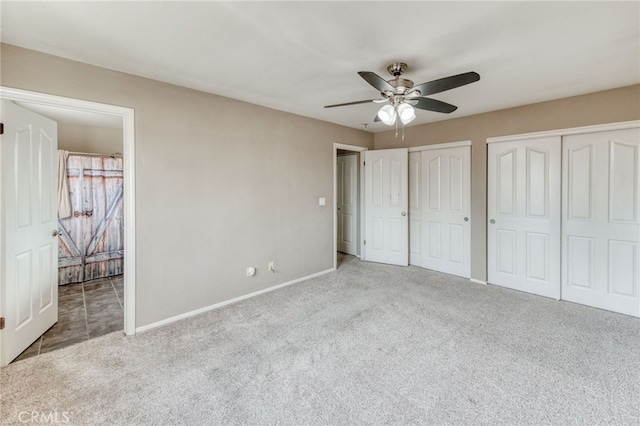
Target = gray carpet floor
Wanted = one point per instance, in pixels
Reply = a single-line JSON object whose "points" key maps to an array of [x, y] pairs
{"points": [[366, 344]]}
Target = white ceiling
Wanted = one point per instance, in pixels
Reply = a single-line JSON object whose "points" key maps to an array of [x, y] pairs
{"points": [[299, 56]]}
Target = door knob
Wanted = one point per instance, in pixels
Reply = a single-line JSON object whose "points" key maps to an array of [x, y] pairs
{"points": [[403, 214], [492, 221], [466, 219], [55, 233]]}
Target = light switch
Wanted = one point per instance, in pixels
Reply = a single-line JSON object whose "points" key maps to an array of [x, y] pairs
{"points": [[322, 201]]}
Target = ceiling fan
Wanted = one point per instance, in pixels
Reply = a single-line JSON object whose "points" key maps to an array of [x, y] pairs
{"points": [[401, 96]]}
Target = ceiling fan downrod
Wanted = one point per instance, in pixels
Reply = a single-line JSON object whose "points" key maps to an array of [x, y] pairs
{"points": [[397, 68]]}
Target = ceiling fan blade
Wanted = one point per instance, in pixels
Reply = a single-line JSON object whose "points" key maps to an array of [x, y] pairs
{"points": [[376, 81], [447, 83], [377, 119], [351, 103], [434, 105]]}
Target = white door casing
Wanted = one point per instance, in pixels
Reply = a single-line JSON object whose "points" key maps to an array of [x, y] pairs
{"points": [[127, 116], [386, 205], [600, 227], [30, 249], [415, 208], [446, 207], [523, 210], [347, 203]]}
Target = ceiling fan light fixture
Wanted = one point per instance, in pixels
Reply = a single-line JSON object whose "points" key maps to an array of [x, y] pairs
{"points": [[387, 114], [406, 112]]}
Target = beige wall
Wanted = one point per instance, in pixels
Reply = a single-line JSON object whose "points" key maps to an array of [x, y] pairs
{"points": [[610, 106], [223, 184], [220, 184], [98, 140]]}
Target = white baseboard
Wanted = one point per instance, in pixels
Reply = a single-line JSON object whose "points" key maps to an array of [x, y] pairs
{"points": [[227, 302], [473, 280]]}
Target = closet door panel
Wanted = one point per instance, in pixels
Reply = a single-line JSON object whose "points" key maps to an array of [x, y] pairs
{"points": [[446, 209], [601, 231], [415, 209], [523, 206]]}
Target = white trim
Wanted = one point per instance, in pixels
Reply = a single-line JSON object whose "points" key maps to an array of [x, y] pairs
{"points": [[349, 147], [569, 131], [473, 280], [440, 146], [355, 148], [128, 134], [228, 302]]}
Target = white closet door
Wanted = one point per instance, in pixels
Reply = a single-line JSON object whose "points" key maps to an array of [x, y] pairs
{"points": [[445, 210], [523, 207], [386, 204], [601, 229], [415, 208], [347, 204]]}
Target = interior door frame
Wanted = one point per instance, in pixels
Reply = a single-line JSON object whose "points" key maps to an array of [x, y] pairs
{"points": [[359, 150], [128, 134]]}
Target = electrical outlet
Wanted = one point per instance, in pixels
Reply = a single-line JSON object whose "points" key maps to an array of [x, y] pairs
{"points": [[251, 271], [270, 267]]}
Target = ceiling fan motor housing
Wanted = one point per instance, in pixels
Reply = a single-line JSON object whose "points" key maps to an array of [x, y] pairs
{"points": [[401, 84]]}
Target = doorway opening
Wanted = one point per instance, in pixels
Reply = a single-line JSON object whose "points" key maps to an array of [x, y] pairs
{"points": [[348, 162], [96, 275]]}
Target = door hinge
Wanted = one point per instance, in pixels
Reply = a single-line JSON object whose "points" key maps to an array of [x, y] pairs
{"points": [[364, 163], [1, 128], [1, 323], [365, 242]]}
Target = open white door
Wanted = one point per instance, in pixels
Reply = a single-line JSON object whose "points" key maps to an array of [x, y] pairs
{"points": [[347, 203], [386, 206], [523, 208], [29, 244]]}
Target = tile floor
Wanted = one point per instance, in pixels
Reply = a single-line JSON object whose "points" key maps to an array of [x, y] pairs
{"points": [[85, 310]]}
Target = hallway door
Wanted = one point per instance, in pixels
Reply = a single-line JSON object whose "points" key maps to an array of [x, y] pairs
{"points": [[347, 203], [29, 232]]}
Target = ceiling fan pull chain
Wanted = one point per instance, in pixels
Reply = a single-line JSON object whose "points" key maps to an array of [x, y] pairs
{"points": [[396, 112]]}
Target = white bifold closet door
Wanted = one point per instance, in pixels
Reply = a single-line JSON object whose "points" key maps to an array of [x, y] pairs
{"points": [[523, 208], [445, 195], [600, 236]]}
